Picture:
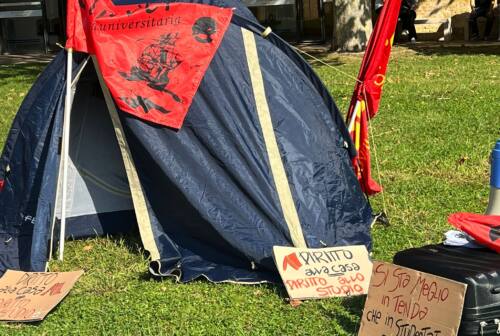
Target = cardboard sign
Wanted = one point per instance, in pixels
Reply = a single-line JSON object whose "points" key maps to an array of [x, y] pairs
{"points": [[402, 301], [30, 296], [325, 272]]}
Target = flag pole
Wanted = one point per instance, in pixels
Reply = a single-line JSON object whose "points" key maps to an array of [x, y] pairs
{"points": [[65, 149], [350, 128]]}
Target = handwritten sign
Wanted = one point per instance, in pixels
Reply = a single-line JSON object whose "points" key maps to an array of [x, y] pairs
{"points": [[325, 272], [402, 301], [29, 296]]}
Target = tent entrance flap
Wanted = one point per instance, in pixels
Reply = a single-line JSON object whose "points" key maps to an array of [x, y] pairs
{"points": [[97, 184], [138, 199]]}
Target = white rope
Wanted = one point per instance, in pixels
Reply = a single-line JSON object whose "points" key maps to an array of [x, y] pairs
{"points": [[328, 65], [370, 130], [377, 166]]}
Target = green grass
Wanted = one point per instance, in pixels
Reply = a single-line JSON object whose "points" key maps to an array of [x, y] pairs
{"points": [[439, 117], [15, 82]]}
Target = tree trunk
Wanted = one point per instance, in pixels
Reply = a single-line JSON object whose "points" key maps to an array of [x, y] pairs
{"points": [[352, 24]]}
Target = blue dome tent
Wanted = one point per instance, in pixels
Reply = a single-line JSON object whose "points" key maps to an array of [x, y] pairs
{"points": [[263, 159]]}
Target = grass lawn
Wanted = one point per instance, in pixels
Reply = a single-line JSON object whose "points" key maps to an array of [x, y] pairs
{"points": [[439, 117]]}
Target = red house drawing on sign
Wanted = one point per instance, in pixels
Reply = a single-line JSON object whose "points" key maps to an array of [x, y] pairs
{"points": [[291, 260]]}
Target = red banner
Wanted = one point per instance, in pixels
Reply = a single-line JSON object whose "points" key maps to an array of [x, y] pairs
{"points": [[152, 56], [368, 91], [483, 228]]}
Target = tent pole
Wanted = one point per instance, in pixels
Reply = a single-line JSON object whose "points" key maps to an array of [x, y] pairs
{"points": [[65, 151], [59, 173]]}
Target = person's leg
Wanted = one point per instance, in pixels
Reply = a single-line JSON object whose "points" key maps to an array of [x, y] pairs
{"points": [[405, 24], [473, 25], [411, 25], [489, 24], [404, 20], [377, 12]]}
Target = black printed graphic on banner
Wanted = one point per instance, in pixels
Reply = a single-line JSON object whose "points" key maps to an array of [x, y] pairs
{"points": [[152, 56], [203, 29], [155, 64], [494, 233]]}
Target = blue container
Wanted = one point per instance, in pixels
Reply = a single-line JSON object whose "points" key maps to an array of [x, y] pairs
{"points": [[495, 166]]}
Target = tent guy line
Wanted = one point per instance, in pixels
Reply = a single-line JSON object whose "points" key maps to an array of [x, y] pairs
{"points": [[326, 64]]}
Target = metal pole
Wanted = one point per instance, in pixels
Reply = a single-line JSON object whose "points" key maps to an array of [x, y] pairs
{"points": [[321, 7], [334, 32], [299, 15], [65, 151]]}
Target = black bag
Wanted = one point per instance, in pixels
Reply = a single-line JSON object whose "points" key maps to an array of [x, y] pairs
{"points": [[478, 268]]}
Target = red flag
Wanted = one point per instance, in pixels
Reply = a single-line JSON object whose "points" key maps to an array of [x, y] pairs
{"points": [[152, 56], [483, 228], [368, 90]]}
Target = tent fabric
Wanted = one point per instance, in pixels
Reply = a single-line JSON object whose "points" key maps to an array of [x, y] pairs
{"points": [[29, 148], [212, 204]]}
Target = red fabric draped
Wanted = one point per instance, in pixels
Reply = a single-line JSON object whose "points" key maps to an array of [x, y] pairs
{"points": [[483, 228], [152, 56], [368, 90]]}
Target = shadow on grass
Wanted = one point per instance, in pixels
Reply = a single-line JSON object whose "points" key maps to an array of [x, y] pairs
{"points": [[130, 240], [353, 306], [335, 61], [28, 71]]}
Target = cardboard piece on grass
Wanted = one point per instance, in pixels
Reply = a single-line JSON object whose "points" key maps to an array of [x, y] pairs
{"points": [[402, 301], [30, 296], [325, 272]]}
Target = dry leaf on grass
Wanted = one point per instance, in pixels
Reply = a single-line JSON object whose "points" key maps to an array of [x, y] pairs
{"points": [[462, 160], [295, 303]]}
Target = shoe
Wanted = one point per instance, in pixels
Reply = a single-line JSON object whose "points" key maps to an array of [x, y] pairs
{"points": [[413, 40], [474, 38]]}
